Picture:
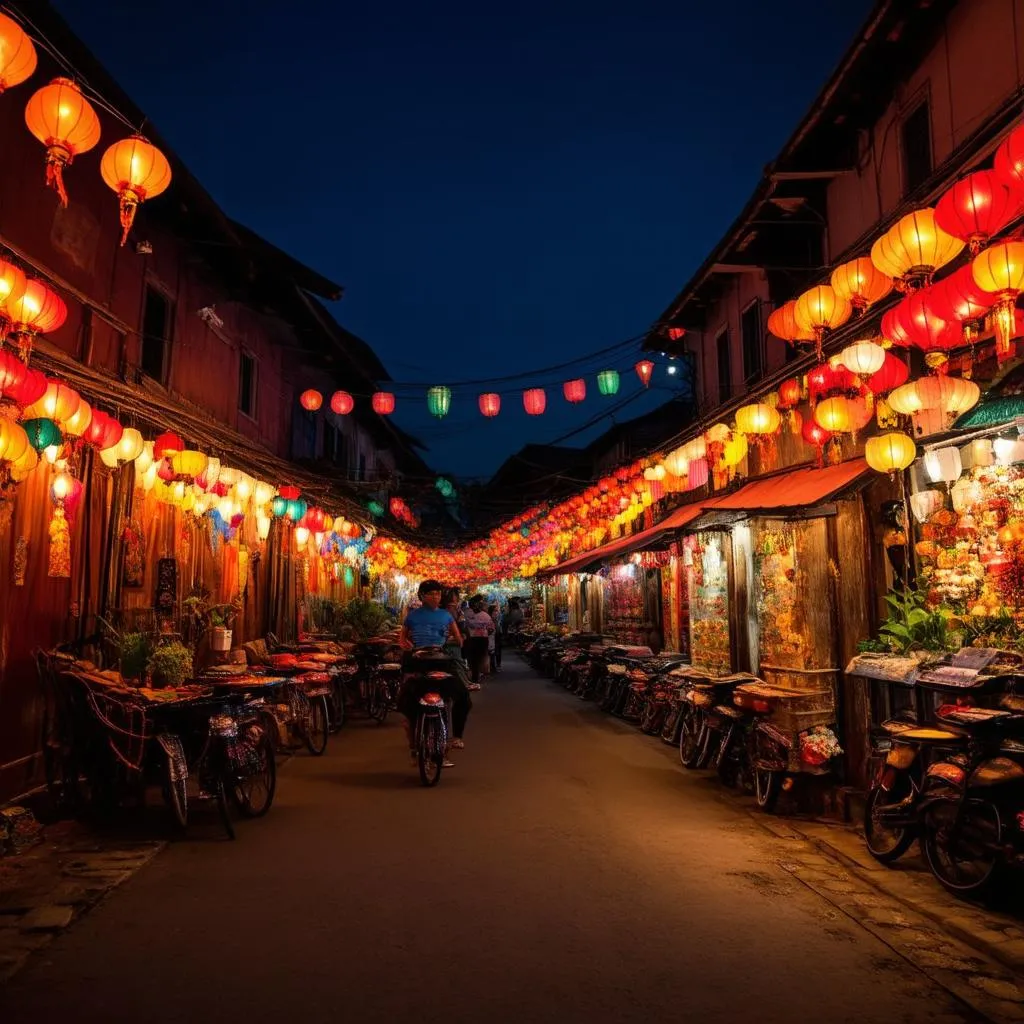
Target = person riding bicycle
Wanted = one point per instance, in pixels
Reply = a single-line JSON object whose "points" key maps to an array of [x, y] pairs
{"points": [[425, 627]]}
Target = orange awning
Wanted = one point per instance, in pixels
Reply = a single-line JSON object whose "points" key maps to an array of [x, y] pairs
{"points": [[627, 545], [790, 492]]}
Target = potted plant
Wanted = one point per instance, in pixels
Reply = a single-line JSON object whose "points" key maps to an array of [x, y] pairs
{"points": [[133, 651], [170, 665], [222, 621]]}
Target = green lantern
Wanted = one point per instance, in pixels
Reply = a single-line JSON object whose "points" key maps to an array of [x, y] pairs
{"points": [[439, 401], [375, 508], [445, 486], [42, 433], [608, 382]]}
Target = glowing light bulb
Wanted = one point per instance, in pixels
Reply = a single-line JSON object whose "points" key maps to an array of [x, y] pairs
{"points": [[301, 536]]}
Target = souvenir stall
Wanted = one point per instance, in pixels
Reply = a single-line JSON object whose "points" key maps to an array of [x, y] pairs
{"points": [[707, 556]]}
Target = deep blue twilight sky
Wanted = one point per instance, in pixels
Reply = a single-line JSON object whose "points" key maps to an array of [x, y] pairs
{"points": [[499, 187]]}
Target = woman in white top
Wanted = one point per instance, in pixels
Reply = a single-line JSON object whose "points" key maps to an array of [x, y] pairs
{"points": [[480, 627]]}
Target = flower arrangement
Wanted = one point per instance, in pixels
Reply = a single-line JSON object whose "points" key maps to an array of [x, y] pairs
{"points": [[819, 745]]}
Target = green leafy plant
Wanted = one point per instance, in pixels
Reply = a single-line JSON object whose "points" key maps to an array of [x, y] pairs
{"points": [[170, 664], [912, 625], [133, 653], [366, 618]]}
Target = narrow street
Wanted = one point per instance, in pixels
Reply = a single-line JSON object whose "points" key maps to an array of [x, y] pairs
{"points": [[567, 869]]}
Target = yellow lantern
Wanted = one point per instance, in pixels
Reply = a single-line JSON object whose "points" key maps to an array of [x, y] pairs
{"points": [[677, 463], [108, 456], [735, 451], [149, 476], [13, 440], [78, 424], [834, 415], [821, 309], [759, 418], [890, 453], [717, 434], [914, 248], [59, 403], [695, 449], [861, 283], [188, 463], [1000, 269], [129, 448], [61, 486], [905, 399], [263, 493], [26, 464], [145, 458]]}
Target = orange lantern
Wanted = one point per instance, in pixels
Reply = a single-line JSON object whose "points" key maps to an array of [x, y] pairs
{"points": [[861, 283], [383, 403], [63, 120], [534, 401], [783, 324], [789, 393], [342, 403], [311, 400], [136, 170], [17, 54], [1000, 270], [58, 403], [758, 418], [644, 370], [913, 249], [38, 310], [835, 415], [821, 309]]}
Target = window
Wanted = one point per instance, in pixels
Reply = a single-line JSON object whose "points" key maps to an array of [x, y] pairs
{"points": [[247, 384], [750, 332], [156, 334], [916, 142], [724, 365]]}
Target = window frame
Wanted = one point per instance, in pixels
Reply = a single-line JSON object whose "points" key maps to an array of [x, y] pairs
{"points": [[151, 285], [252, 413], [920, 100], [759, 347]]}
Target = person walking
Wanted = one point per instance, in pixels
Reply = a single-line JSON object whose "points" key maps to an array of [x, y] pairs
{"points": [[479, 626], [494, 640]]}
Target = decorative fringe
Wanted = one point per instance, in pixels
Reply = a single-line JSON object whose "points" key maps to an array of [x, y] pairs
{"points": [[55, 161]]}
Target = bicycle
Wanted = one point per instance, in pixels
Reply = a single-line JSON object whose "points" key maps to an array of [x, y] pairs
{"points": [[433, 729]]}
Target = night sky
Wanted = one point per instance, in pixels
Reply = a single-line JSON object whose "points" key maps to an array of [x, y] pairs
{"points": [[499, 187]]}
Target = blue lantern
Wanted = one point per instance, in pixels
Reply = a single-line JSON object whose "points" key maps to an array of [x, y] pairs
{"points": [[279, 506]]}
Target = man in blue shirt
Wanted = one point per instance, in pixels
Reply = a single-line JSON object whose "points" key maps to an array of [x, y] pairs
{"points": [[431, 626]]}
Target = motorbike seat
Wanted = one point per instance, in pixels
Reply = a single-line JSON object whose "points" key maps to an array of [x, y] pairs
{"points": [[432, 700], [927, 735], [390, 666], [728, 712]]}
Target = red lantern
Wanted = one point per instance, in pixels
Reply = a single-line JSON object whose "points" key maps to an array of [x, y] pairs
{"points": [[287, 491], [342, 404], [823, 379], [103, 431], [383, 403], [675, 333], [167, 444], [29, 389], [816, 435], [1009, 162], [959, 297], [574, 390], [892, 374], [398, 507], [912, 322], [974, 209], [311, 400], [534, 401], [12, 369], [789, 393], [490, 404], [645, 370]]}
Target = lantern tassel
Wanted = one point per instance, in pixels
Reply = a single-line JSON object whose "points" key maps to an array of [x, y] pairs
{"points": [[1002, 316], [56, 158], [128, 206]]}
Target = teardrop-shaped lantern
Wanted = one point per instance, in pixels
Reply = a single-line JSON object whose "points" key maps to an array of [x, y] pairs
{"points": [[63, 120], [645, 370], [136, 170]]}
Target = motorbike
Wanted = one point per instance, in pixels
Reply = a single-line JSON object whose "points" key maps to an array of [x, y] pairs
{"points": [[433, 728], [701, 731]]}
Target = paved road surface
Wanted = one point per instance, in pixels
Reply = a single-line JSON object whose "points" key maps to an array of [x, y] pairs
{"points": [[566, 870]]}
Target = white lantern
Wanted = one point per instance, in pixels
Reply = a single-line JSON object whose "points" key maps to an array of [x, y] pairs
{"points": [[943, 465], [925, 503], [981, 452], [145, 458], [108, 456], [301, 536], [676, 462], [965, 493], [149, 474], [1008, 450], [263, 493], [262, 526], [243, 489], [212, 472], [863, 358]]}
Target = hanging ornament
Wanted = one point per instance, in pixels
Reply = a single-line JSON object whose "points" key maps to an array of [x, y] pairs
{"points": [[1000, 271], [974, 208], [42, 433], [136, 170], [490, 404], [20, 561], [783, 324], [17, 54], [1009, 162], [342, 403], [645, 370], [63, 120], [311, 400], [575, 390], [383, 403], [913, 249], [861, 283], [38, 310], [912, 323], [534, 401], [675, 333], [890, 453], [608, 382], [816, 436], [12, 286], [439, 401], [819, 310]]}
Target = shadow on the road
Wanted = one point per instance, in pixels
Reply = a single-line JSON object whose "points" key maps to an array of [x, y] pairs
{"points": [[379, 780]]}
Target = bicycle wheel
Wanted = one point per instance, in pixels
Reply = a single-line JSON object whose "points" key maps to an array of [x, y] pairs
{"points": [[377, 707], [336, 705], [253, 793], [691, 738], [431, 752], [222, 807], [176, 796], [316, 728]]}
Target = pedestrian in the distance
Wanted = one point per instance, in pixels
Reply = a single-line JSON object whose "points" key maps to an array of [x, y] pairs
{"points": [[479, 626], [494, 640]]}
